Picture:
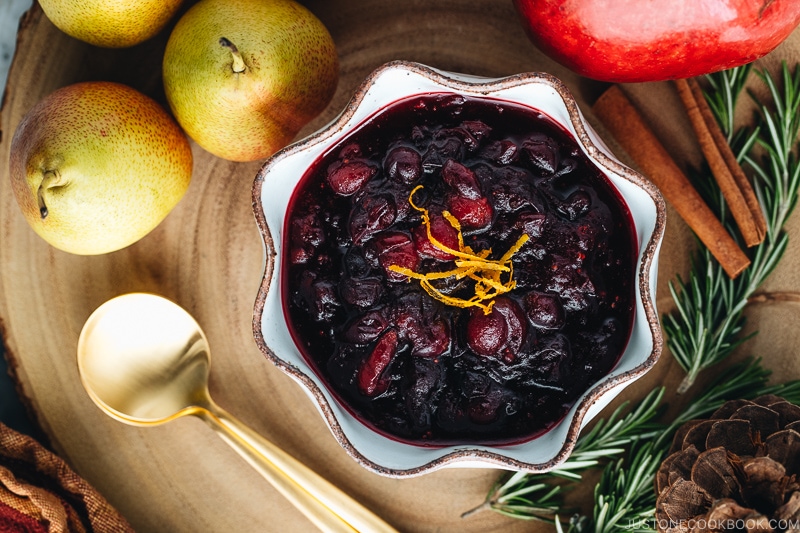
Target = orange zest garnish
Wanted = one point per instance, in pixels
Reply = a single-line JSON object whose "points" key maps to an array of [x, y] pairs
{"points": [[487, 273]]}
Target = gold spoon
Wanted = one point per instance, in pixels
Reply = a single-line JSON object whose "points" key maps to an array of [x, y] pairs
{"points": [[145, 361]]}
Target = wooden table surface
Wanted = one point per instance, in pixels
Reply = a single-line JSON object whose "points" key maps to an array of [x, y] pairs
{"points": [[207, 257]]}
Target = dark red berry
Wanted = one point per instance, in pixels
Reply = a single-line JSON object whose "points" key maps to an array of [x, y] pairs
{"points": [[461, 179], [486, 334], [478, 129], [466, 138], [428, 337], [350, 151], [439, 151], [443, 232], [552, 360], [395, 248], [484, 408], [403, 164], [424, 381], [320, 297], [502, 152], [499, 334], [473, 214], [576, 205], [365, 328], [361, 292], [532, 224], [542, 152], [370, 373], [348, 178], [307, 231], [544, 310], [300, 255], [573, 285], [370, 215], [516, 325], [434, 341]]}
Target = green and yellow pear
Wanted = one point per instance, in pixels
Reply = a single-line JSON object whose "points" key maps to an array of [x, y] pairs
{"points": [[244, 76], [110, 23], [95, 166]]}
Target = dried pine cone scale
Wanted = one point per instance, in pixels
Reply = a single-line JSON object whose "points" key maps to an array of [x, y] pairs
{"points": [[735, 435], [790, 511], [714, 473], [784, 447], [676, 466], [737, 471], [681, 501], [726, 510]]}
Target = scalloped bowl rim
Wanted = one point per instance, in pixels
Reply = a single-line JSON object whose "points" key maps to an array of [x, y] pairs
{"points": [[273, 188]]}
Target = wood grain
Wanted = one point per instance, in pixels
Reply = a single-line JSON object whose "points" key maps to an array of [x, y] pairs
{"points": [[207, 256]]}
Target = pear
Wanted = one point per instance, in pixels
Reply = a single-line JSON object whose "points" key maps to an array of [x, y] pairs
{"points": [[110, 23], [95, 166], [244, 76]]}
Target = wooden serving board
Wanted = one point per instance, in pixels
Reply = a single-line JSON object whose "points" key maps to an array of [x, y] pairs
{"points": [[207, 256]]}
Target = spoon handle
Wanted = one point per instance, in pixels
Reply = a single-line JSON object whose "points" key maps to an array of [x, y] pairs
{"points": [[322, 502]]}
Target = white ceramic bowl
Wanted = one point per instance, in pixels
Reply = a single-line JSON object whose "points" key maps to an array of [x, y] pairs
{"points": [[272, 191]]}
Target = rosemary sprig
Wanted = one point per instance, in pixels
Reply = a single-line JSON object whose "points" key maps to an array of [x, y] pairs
{"points": [[705, 328], [726, 86], [539, 496], [610, 438], [524, 496], [747, 380], [624, 497]]}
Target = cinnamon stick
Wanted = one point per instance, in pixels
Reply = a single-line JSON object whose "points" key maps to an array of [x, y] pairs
{"points": [[631, 131], [728, 173]]}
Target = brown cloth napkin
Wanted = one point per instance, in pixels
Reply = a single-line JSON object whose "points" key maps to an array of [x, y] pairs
{"points": [[39, 493]]}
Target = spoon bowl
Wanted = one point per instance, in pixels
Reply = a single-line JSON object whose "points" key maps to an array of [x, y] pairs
{"points": [[144, 361]]}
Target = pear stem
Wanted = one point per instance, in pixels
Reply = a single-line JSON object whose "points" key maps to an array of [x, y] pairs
{"points": [[50, 179], [238, 62]]}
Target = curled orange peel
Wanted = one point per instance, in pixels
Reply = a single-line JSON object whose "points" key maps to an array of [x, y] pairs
{"points": [[487, 273]]}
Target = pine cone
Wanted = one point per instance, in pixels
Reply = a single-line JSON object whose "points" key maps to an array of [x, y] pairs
{"points": [[737, 471]]}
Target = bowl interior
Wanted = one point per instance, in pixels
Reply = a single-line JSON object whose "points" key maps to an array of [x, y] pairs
{"points": [[273, 191]]}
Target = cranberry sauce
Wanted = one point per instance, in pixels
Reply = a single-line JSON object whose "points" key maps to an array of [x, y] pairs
{"points": [[438, 184]]}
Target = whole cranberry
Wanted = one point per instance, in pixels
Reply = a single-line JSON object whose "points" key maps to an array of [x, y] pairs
{"points": [[443, 232], [542, 153], [498, 334], [395, 248], [365, 328], [347, 178], [370, 215], [473, 214], [486, 334], [403, 164], [544, 309], [461, 179], [361, 292], [371, 380]]}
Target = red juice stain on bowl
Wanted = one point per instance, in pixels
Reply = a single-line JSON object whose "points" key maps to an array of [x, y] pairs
{"points": [[411, 188]]}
